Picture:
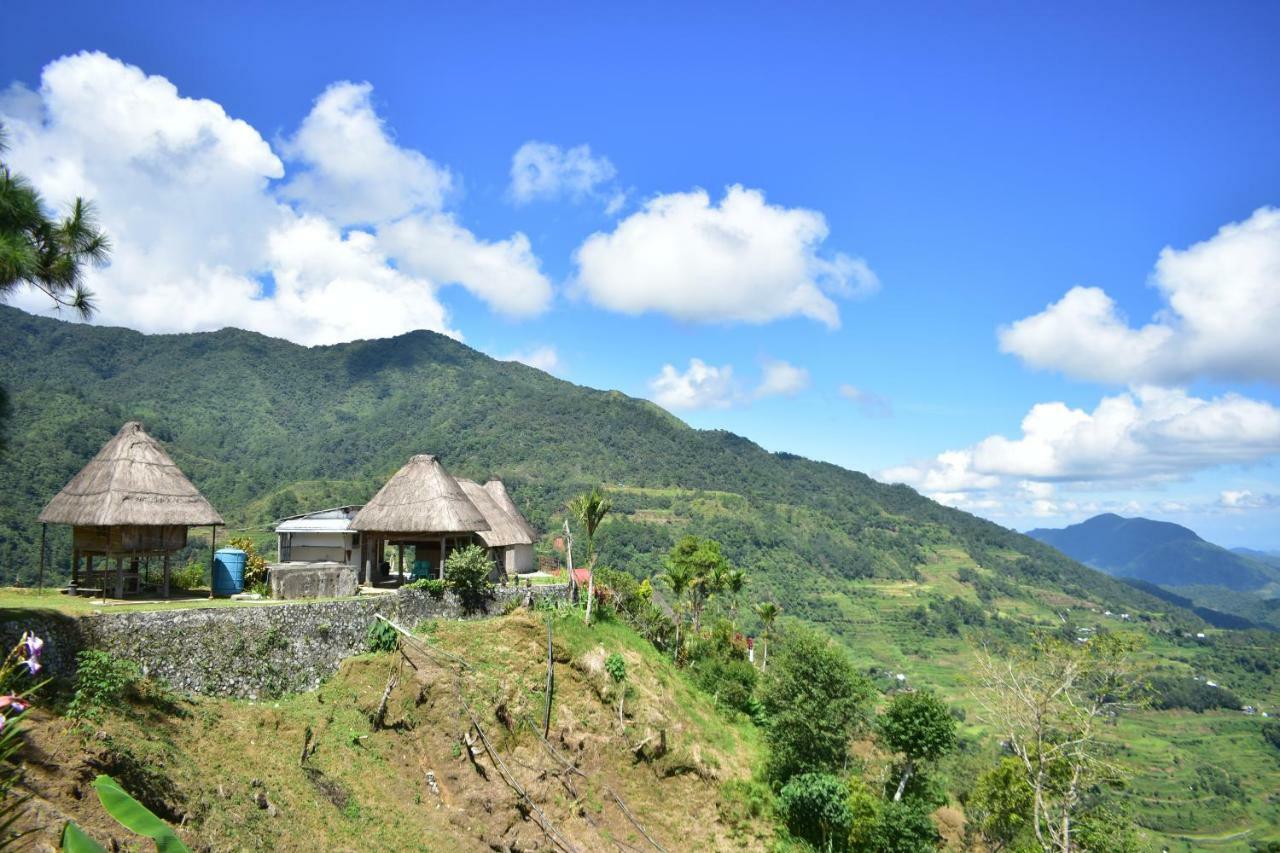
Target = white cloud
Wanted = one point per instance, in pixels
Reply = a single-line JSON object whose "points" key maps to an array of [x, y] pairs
{"points": [[1145, 436], [781, 378], [1245, 499], [702, 386], [545, 358], [541, 170], [353, 170], [189, 197], [504, 274], [740, 261], [1223, 307], [872, 405]]}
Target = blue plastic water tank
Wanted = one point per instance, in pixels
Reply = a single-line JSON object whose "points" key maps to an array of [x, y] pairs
{"points": [[228, 571]]}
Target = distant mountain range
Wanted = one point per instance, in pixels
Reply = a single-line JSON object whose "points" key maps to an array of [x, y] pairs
{"points": [[1240, 582], [1159, 552]]}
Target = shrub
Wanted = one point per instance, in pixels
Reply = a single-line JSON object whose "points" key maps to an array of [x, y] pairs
{"points": [[815, 807], [814, 701], [382, 637], [1271, 731], [432, 586], [466, 572], [730, 681], [904, 827], [1184, 692], [616, 667], [190, 576], [101, 680], [255, 565]]}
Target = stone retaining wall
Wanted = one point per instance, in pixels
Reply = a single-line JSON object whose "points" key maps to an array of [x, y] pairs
{"points": [[249, 652]]}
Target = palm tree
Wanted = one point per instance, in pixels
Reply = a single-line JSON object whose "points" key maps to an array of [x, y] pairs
{"points": [[589, 510], [768, 612], [679, 578], [735, 581]]}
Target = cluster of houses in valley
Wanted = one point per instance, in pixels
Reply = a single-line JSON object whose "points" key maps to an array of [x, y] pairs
{"points": [[131, 505]]}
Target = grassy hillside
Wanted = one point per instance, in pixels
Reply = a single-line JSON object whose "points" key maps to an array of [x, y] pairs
{"points": [[233, 776]]}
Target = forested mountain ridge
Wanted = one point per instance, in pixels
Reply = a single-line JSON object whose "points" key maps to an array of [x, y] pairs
{"points": [[265, 427], [1159, 552]]}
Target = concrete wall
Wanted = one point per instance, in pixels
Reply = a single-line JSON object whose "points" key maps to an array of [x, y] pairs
{"points": [[247, 651]]}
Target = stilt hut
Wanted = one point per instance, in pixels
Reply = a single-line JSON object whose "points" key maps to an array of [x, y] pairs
{"points": [[505, 533], [422, 507], [130, 503]]}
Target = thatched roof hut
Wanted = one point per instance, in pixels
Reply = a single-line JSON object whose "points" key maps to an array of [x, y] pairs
{"points": [[131, 482], [496, 490], [420, 498], [131, 501], [503, 529]]}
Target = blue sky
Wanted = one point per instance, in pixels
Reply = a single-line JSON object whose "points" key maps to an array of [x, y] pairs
{"points": [[912, 180]]}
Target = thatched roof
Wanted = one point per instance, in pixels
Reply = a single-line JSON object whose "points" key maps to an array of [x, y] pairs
{"points": [[503, 529], [498, 492], [131, 481], [420, 498]]}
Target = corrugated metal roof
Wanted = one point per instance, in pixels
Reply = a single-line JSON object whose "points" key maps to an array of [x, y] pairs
{"points": [[335, 520]]}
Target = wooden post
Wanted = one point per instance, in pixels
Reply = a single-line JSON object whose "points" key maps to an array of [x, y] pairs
{"points": [[568, 543], [119, 577], [213, 545], [400, 562], [166, 574], [442, 540], [43, 528], [75, 566]]}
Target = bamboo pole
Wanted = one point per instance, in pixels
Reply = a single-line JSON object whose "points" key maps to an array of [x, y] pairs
{"points": [[213, 545]]}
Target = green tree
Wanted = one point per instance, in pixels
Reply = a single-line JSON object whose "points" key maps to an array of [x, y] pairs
{"points": [[707, 569], [920, 726], [42, 252], [815, 702], [735, 581], [1048, 703], [589, 510], [768, 612], [815, 807], [1000, 806], [678, 577], [904, 827]]}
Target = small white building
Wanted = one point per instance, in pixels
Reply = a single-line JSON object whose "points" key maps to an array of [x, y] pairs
{"points": [[321, 536]]}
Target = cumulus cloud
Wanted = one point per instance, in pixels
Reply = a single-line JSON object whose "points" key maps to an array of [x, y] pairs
{"points": [[204, 236], [1222, 309], [352, 170], [872, 405], [505, 274], [701, 386], [541, 170], [1147, 435], [742, 260], [781, 378], [545, 358]]}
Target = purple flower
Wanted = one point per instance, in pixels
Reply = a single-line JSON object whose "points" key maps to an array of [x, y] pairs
{"points": [[17, 703], [34, 644], [33, 665], [2, 722]]}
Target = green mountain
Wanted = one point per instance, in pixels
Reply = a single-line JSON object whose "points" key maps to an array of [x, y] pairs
{"points": [[265, 428], [1158, 552]]}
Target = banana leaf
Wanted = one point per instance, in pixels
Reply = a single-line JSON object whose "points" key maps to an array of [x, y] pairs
{"points": [[136, 817], [74, 840]]}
